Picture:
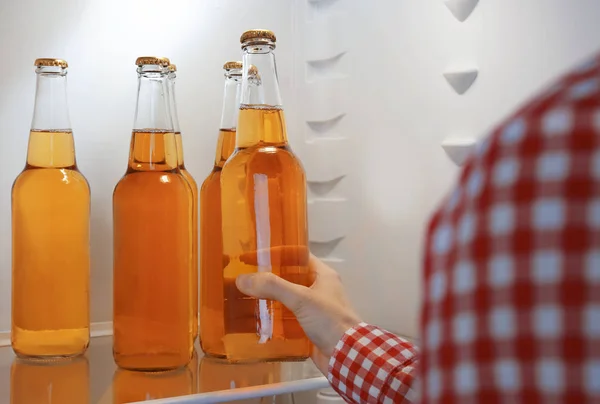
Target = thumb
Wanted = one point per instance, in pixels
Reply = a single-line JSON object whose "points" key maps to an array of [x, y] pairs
{"points": [[266, 285]]}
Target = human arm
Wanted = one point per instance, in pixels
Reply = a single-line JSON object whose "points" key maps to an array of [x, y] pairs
{"points": [[363, 363]]}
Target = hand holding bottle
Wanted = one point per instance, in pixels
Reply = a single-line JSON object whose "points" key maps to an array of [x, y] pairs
{"points": [[323, 310]]}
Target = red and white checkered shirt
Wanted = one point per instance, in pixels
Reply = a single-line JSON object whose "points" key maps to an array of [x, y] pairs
{"points": [[511, 299]]}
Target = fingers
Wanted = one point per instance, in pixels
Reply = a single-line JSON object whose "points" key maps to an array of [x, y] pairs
{"points": [[270, 286], [267, 285], [288, 255], [292, 255], [321, 269]]}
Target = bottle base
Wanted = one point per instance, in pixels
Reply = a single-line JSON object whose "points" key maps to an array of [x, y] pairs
{"points": [[214, 355], [212, 349], [48, 345], [246, 348], [41, 359], [244, 361], [153, 370], [151, 363]]}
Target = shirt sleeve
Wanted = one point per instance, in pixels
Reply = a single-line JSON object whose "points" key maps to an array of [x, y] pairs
{"points": [[371, 365]]}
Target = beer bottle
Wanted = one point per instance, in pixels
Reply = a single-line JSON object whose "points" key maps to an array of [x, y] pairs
{"points": [[50, 231], [194, 186], [211, 247], [152, 222], [265, 227]]}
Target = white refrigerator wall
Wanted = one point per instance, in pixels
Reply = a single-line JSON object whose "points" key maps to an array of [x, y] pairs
{"points": [[374, 108], [367, 108]]}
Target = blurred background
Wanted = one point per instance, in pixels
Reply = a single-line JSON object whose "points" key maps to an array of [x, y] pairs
{"points": [[367, 102]]}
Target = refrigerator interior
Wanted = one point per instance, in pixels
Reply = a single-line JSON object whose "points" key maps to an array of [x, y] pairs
{"points": [[372, 90]]}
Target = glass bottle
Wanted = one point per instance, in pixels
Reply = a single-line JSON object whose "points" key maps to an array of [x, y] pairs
{"points": [[212, 259], [152, 224], [50, 231], [194, 186], [263, 189], [42, 382], [211, 242]]}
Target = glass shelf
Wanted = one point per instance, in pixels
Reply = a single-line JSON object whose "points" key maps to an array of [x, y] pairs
{"points": [[94, 378]]}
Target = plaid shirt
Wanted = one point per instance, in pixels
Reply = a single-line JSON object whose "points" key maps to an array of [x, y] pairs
{"points": [[511, 299]]}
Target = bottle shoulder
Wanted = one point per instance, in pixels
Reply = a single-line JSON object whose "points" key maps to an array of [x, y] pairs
{"points": [[152, 181], [264, 157], [56, 178], [190, 179], [214, 178]]}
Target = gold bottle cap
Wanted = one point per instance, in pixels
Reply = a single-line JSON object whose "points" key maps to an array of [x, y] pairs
{"points": [[232, 65], [152, 60], [172, 67], [258, 35], [51, 62]]}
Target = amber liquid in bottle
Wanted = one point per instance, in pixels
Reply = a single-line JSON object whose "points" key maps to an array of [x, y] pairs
{"points": [[152, 210], [152, 216], [212, 260], [264, 209], [50, 234], [63, 382], [194, 188]]}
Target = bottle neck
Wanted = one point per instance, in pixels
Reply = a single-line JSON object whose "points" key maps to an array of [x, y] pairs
{"points": [[225, 146], [152, 111], [172, 101], [153, 151], [172, 78], [265, 90], [153, 144], [261, 119], [231, 101], [179, 145], [51, 149], [51, 111]]}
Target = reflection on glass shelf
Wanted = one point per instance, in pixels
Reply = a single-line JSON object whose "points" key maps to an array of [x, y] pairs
{"points": [[129, 386], [58, 382], [216, 374], [94, 378]]}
